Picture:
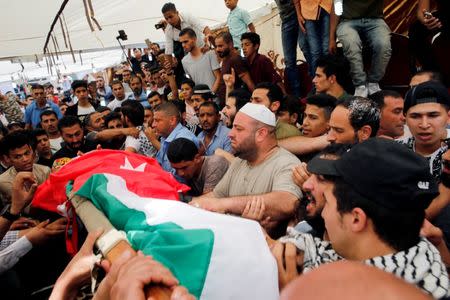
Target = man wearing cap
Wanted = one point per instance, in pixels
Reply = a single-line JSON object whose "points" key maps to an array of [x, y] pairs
{"points": [[362, 212], [426, 109], [261, 168], [201, 94]]}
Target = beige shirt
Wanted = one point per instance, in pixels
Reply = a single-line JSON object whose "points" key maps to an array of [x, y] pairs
{"points": [[274, 174], [310, 8], [40, 172]]}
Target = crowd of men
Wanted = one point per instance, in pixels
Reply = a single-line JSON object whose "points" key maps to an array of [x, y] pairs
{"points": [[349, 172]]}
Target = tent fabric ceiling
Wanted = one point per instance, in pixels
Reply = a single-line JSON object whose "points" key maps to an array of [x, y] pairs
{"points": [[26, 23]]}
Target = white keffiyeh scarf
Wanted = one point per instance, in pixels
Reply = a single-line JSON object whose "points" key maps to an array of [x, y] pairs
{"points": [[420, 265]]}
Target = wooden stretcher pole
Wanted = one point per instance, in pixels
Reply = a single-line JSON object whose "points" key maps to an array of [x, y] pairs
{"points": [[94, 219]]}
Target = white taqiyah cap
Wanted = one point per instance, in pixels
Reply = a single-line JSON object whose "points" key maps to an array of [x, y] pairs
{"points": [[260, 113]]}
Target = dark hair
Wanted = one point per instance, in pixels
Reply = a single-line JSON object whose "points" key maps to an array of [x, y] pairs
{"points": [[116, 82], [34, 135], [136, 77], [324, 101], [101, 109], [379, 96], [253, 37], [181, 105], [242, 97], [189, 31], [134, 111], [79, 83], [210, 104], [68, 121], [37, 87], [169, 109], [226, 36], [93, 83], [169, 6], [153, 94], [292, 105], [274, 92], [87, 119], [15, 140], [336, 65], [181, 149], [112, 116], [48, 112], [363, 111], [399, 235], [189, 82]]}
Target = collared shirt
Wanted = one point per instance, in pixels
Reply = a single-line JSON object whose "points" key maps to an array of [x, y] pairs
{"points": [[262, 70], [143, 99], [187, 20], [219, 140], [179, 132], [33, 112], [238, 21]]}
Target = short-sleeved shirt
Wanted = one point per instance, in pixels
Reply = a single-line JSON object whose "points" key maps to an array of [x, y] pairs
{"points": [[219, 140], [173, 34], [262, 70], [141, 144], [118, 103], [212, 171], [284, 130], [273, 174], [239, 65], [179, 132], [33, 112], [238, 21], [79, 111], [357, 9], [201, 70]]}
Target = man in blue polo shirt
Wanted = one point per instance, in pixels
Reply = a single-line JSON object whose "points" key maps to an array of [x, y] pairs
{"points": [[33, 111], [214, 134], [166, 122]]}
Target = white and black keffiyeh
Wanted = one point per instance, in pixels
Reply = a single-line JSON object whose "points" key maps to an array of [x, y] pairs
{"points": [[420, 265]]}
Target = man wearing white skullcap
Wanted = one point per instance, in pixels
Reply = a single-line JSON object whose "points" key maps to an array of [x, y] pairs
{"points": [[258, 183]]}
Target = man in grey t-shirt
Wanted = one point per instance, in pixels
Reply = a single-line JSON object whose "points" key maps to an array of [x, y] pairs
{"points": [[261, 169], [202, 68], [202, 173]]}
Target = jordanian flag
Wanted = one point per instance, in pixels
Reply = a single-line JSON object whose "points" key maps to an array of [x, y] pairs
{"points": [[215, 256]]}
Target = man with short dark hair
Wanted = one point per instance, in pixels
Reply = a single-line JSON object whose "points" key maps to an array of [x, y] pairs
{"points": [[331, 76], [235, 101], [139, 92], [271, 96], [119, 95], [74, 142], [232, 63], [154, 99], [102, 89], [317, 115], [201, 67], [260, 66], [392, 119], [41, 145], [40, 104], [202, 173], [49, 122], [83, 107], [133, 116], [354, 120], [18, 149], [166, 122], [361, 213], [214, 134], [137, 60]]}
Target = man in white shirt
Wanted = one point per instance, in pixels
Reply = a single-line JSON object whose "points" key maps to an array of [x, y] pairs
{"points": [[119, 95]]}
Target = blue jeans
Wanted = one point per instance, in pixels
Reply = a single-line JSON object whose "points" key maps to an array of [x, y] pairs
{"points": [[291, 35], [372, 33], [317, 35]]}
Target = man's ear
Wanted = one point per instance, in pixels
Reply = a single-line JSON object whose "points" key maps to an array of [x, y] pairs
{"points": [[359, 220], [274, 106], [332, 79], [364, 133]]}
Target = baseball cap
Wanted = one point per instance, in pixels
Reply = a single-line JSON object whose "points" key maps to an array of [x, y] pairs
{"points": [[427, 92], [260, 113], [384, 172]]}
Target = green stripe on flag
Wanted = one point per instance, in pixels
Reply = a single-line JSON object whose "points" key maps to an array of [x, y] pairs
{"points": [[186, 252]]}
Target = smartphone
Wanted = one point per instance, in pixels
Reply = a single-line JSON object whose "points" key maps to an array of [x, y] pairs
{"points": [[159, 26], [148, 43]]}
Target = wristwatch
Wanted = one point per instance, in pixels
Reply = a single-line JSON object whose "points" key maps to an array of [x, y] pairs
{"points": [[5, 213]]}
